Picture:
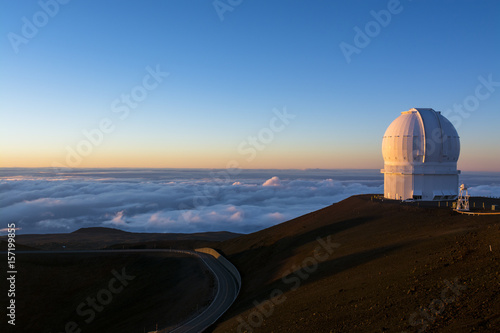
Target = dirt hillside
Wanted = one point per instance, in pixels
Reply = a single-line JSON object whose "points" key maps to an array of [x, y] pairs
{"points": [[363, 265]]}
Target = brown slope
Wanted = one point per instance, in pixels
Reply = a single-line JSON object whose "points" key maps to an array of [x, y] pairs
{"points": [[392, 259], [98, 238]]}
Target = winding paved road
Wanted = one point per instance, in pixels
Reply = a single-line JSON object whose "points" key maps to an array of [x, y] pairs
{"points": [[227, 287], [227, 290]]}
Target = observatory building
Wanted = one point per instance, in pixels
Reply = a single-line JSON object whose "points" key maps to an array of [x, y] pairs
{"points": [[420, 150]]}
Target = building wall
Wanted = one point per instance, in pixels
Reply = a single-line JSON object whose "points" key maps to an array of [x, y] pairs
{"points": [[437, 187], [398, 186], [420, 186]]}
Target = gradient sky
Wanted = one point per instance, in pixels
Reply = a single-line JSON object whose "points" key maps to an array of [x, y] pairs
{"points": [[228, 78]]}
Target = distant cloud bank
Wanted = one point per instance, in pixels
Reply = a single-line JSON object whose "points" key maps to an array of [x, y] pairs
{"points": [[176, 200]]}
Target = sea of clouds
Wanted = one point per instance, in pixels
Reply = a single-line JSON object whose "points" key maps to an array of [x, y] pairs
{"points": [[181, 200]]}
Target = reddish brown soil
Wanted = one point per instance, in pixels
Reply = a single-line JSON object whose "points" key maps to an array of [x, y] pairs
{"points": [[392, 260]]}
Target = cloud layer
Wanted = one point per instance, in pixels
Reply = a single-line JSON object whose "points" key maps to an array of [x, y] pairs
{"points": [[171, 201], [177, 200]]}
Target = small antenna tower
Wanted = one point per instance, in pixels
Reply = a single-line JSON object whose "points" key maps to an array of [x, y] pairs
{"points": [[463, 198]]}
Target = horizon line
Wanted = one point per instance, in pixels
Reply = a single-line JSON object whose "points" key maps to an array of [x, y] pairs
{"points": [[208, 168]]}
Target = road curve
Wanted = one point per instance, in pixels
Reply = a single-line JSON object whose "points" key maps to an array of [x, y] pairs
{"points": [[227, 290], [227, 287]]}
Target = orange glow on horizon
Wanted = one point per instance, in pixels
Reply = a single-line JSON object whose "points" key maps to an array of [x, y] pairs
{"points": [[267, 159]]}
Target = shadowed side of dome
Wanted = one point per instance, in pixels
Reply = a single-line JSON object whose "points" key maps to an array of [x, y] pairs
{"points": [[450, 141]]}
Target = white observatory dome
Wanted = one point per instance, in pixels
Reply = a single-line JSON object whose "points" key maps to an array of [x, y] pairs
{"points": [[420, 136], [420, 150]]}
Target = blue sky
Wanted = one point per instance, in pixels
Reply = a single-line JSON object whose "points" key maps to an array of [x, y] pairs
{"points": [[227, 76]]}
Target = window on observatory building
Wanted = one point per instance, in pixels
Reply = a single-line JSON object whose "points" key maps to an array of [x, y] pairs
{"points": [[417, 197]]}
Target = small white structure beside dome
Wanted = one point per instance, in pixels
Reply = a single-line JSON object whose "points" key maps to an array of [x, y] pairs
{"points": [[421, 149]]}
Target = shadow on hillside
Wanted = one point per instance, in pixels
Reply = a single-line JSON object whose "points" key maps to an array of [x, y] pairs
{"points": [[332, 267], [259, 256], [327, 230], [261, 262], [300, 277]]}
